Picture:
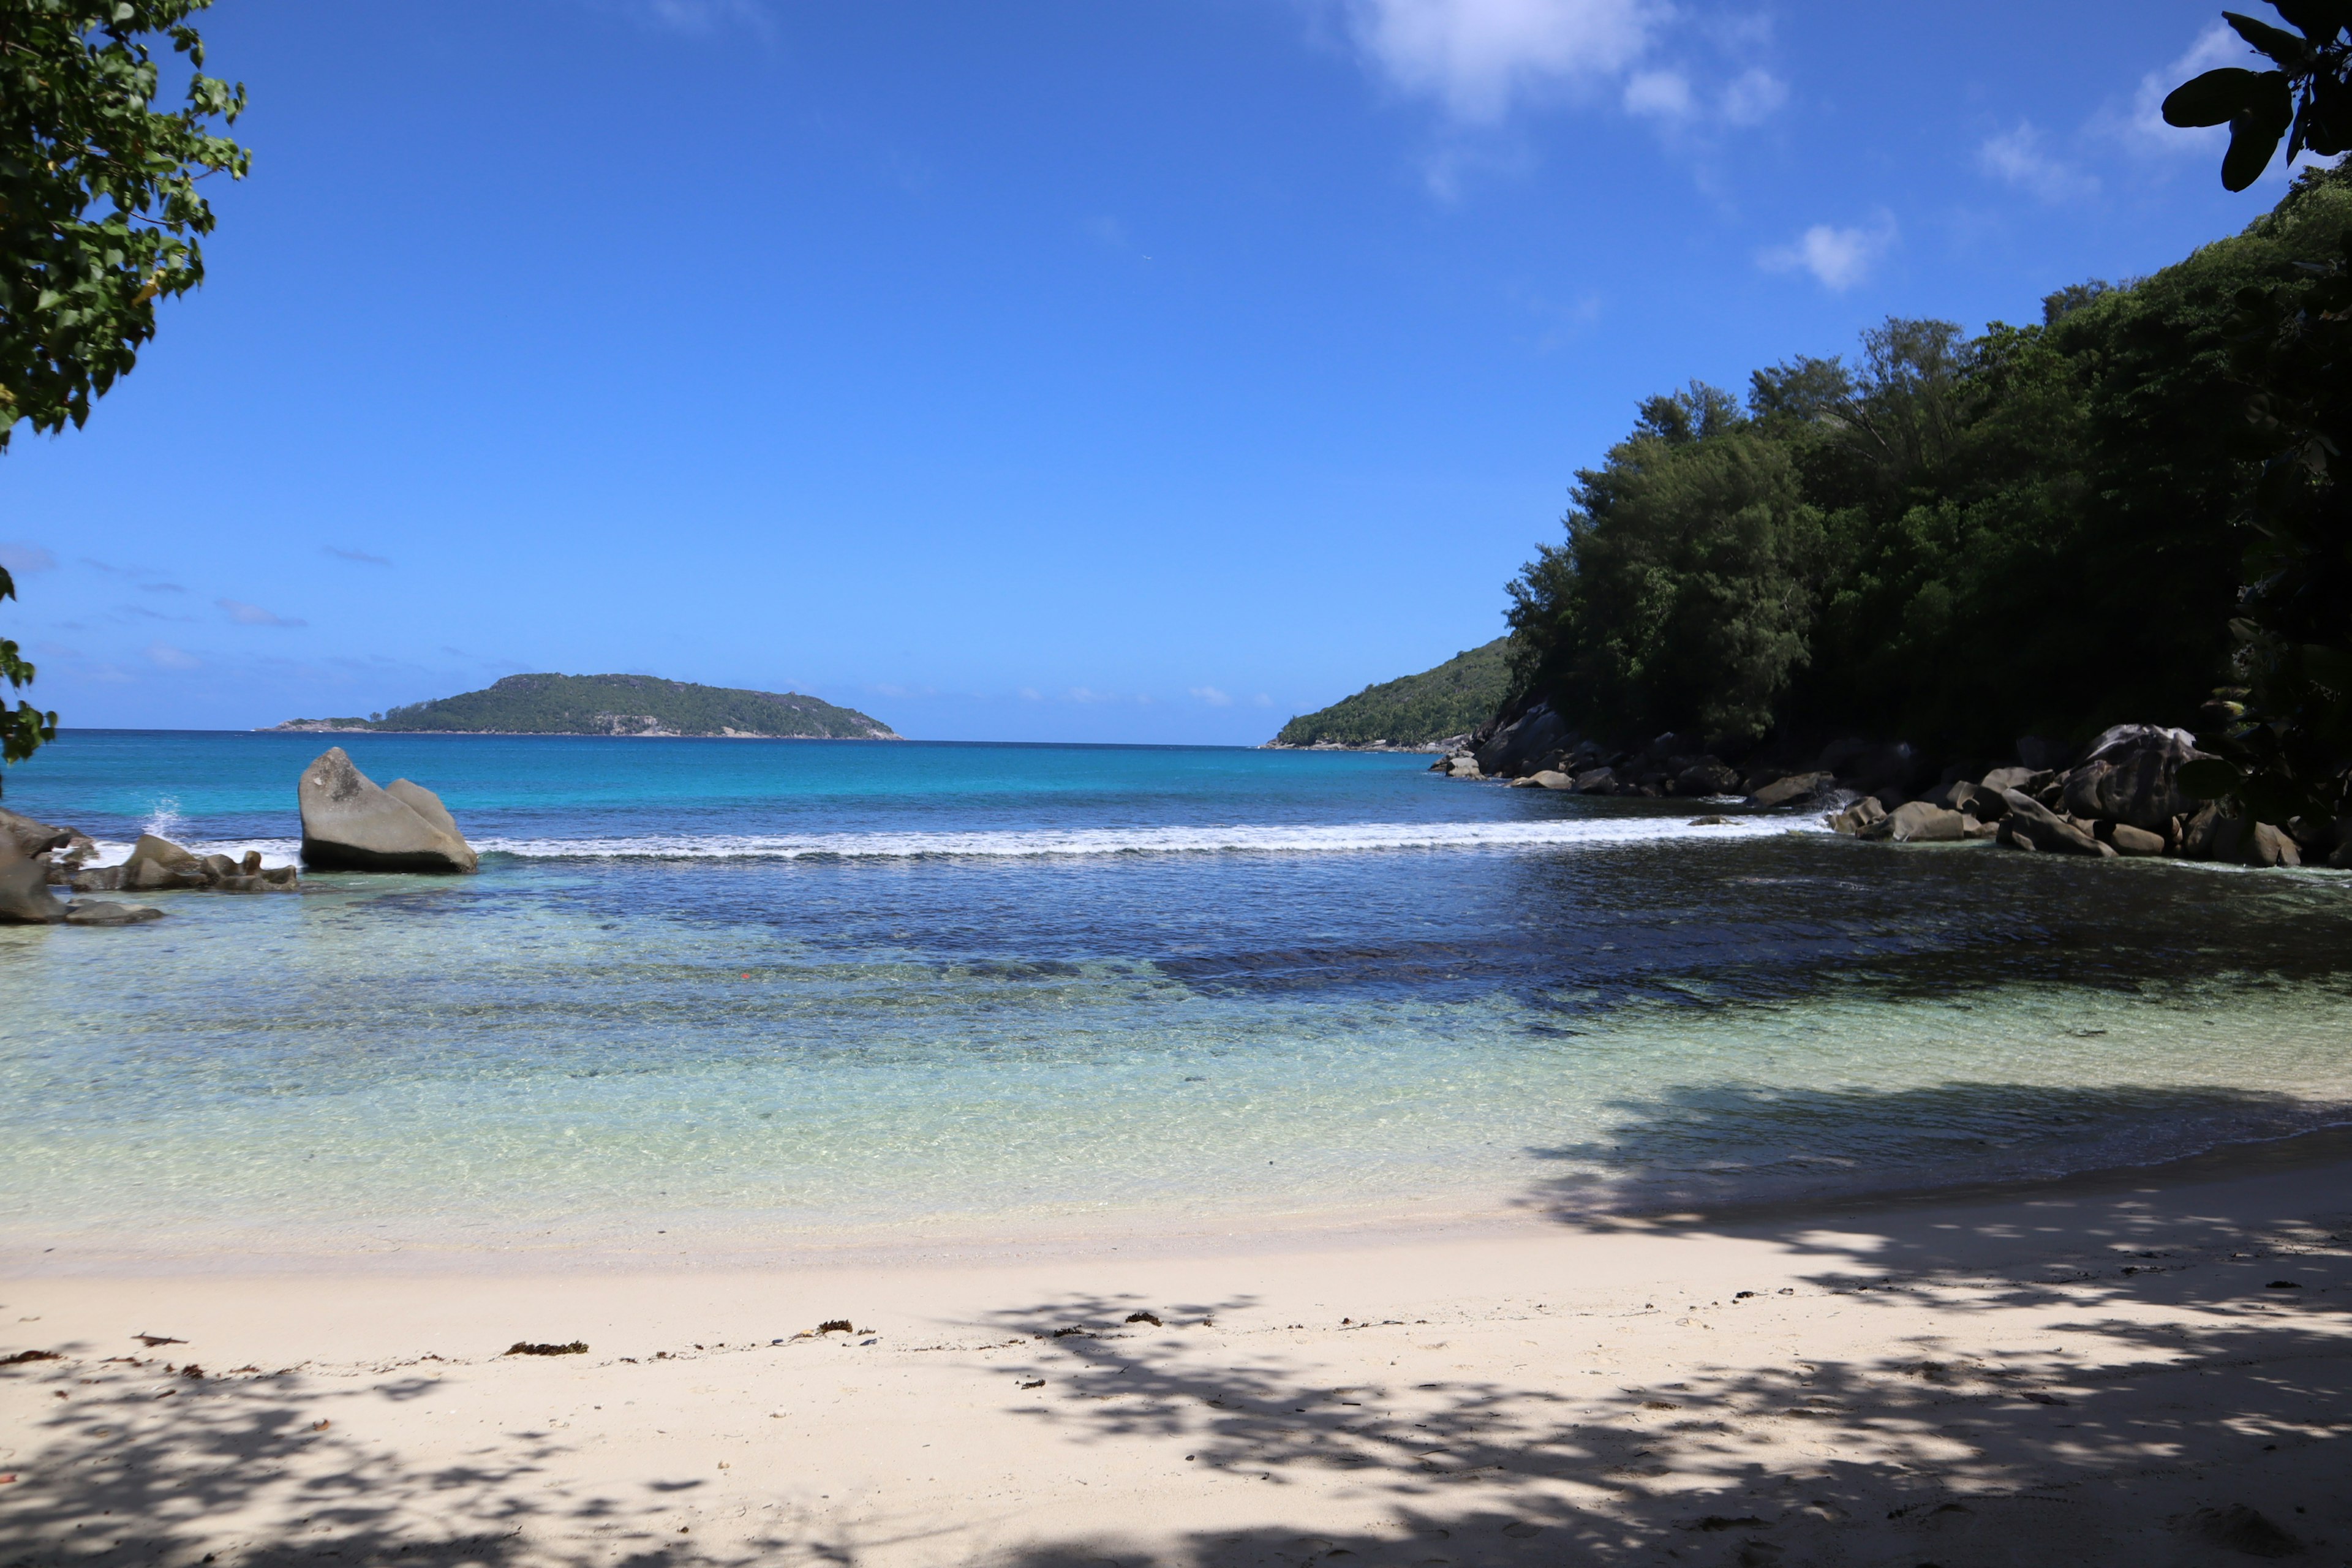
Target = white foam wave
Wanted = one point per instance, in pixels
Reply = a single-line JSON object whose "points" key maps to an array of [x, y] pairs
{"points": [[1239, 839]]}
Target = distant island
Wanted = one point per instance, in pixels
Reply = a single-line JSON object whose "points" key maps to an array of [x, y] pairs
{"points": [[1414, 711], [630, 705]]}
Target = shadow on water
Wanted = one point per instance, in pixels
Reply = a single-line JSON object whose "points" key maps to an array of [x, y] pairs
{"points": [[1723, 1149], [2202, 1416]]}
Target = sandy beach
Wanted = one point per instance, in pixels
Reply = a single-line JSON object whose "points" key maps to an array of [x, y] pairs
{"points": [[2146, 1369]]}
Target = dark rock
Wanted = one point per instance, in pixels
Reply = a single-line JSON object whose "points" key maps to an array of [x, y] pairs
{"points": [[2130, 775], [156, 863], [2130, 840], [1856, 819], [2269, 846], [2027, 779], [1984, 805], [350, 824], [2006, 833], [1518, 744], [96, 879], [1706, 776], [105, 913], [2043, 755], [1796, 789], [24, 896], [1463, 767], [2199, 832], [219, 866], [2029, 818], [28, 838], [1598, 781]]}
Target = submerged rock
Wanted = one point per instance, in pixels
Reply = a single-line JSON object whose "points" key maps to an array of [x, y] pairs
{"points": [[349, 823], [106, 912]]}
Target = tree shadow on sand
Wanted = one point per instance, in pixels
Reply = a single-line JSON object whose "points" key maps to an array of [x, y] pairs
{"points": [[2166, 1383]]}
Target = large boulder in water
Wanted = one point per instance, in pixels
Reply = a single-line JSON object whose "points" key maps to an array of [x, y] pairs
{"points": [[2131, 774], [24, 896], [351, 824]]}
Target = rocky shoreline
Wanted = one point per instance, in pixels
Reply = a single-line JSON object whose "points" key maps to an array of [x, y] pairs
{"points": [[2120, 795], [349, 823]]}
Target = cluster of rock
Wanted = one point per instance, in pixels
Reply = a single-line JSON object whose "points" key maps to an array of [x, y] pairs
{"points": [[348, 824], [1538, 750], [2121, 797]]}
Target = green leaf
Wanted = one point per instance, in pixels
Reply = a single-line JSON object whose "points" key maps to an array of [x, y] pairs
{"points": [[2276, 42], [2254, 131], [2210, 778], [2212, 98]]}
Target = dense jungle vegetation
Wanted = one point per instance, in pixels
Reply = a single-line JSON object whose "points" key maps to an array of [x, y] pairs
{"points": [[1951, 539]]}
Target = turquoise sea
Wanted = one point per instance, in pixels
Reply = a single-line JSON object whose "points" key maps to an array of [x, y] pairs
{"points": [[727, 997]]}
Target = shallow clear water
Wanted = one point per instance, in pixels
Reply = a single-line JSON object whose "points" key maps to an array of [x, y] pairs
{"points": [[769, 994]]}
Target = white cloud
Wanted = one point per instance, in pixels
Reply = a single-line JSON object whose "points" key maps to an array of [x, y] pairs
{"points": [[19, 555], [1838, 257], [1212, 697], [2016, 157], [1660, 95], [697, 18], [170, 657], [246, 615], [1031, 694], [1754, 96], [1262, 700], [2145, 127], [1478, 58]]}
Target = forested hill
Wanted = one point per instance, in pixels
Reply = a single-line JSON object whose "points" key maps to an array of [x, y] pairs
{"points": [[1950, 540], [1452, 700], [619, 705]]}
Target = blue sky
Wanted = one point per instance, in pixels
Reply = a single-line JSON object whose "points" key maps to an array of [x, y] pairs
{"points": [[1088, 370]]}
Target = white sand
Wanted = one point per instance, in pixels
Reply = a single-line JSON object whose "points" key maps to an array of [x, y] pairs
{"points": [[1958, 1385]]}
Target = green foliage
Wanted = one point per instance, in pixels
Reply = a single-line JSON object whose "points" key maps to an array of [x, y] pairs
{"points": [[2307, 99], [1957, 541], [23, 731], [99, 213], [1685, 587], [1452, 700], [622, 705], [98, 218]]}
